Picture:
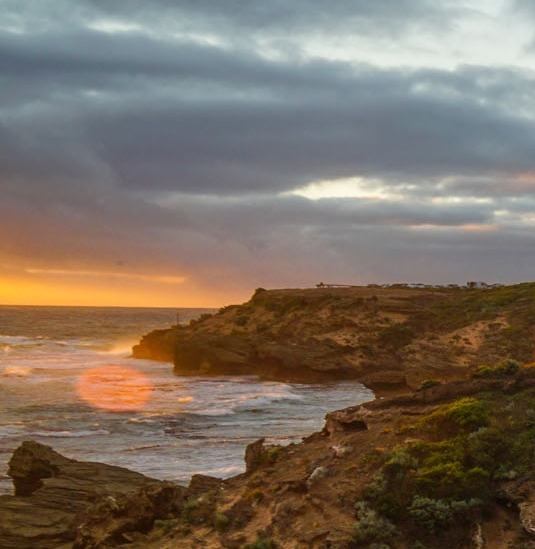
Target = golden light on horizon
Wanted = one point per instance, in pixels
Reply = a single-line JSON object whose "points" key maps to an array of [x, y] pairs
{"points": [[163, 279], [114, 388], [37, 286]]}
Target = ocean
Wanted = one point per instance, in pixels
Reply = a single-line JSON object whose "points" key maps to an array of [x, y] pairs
{"points": [[67, 380]]}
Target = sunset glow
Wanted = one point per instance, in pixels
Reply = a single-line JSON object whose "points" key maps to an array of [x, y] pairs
{"points": [[49, 287]]}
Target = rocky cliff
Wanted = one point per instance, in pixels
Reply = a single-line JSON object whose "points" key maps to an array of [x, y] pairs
{"points": [[388, 338]]}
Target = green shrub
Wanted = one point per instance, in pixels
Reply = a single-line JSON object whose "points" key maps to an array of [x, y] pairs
{"points": [[466, 412], [165, 525], [428, 383], [199, 511], [189, 511], [522, 450], [221, 521], [435, 514], [370, 526], [463, 415], [399, 464], [484, 371], [504, 368], [451, 468], [448, 473], [256, 495], [396, 336], [447, 476], [275, 453]]}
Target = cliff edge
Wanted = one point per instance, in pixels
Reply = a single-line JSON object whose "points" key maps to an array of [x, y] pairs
{"points": [[391, 338]]}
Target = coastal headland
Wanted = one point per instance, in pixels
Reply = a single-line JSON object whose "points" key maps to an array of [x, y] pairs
{"points": [[391, 339], [443, 457]]}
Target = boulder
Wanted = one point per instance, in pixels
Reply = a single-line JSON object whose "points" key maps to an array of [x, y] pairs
{"points": [[200, 484], [354, 418], [36, 467], [52, 493], [254, 453]]}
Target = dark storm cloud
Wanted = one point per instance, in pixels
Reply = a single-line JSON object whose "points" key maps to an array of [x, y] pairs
{"points": [[228, 146], [91, 60], [229, 217], [181, 116]]}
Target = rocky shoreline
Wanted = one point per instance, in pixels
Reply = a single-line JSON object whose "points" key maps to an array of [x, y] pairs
{"points": [[298, 496], [449, 462], [63, 502]]}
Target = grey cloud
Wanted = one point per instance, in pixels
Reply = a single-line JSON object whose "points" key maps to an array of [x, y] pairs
{"points": [[229, 147], [291, 212], [524, 6], [207, 120], [499, 187], [91, 60], [281, 16], [276, 21]]}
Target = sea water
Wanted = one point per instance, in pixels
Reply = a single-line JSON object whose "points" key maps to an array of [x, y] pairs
{"points": [[137, 413]]}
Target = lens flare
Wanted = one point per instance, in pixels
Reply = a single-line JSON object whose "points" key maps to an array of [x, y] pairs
{"points": [[114, 388]]}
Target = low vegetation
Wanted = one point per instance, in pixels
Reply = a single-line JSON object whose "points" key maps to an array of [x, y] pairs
{"points": [[443, 480]]}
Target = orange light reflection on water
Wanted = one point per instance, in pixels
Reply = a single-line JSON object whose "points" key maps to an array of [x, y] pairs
{"points": [[114, 388]]}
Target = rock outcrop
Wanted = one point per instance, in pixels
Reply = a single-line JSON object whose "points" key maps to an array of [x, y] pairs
{"points": [[59, 500], [390, 339]]}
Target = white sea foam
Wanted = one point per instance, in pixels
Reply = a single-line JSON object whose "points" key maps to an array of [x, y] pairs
{"points": [[68, 434]]}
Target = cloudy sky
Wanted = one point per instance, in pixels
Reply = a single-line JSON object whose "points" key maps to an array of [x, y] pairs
{"points": [[185, 152]]}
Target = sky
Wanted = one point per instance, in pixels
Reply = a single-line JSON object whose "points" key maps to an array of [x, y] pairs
{"points": [[182, 153]]}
